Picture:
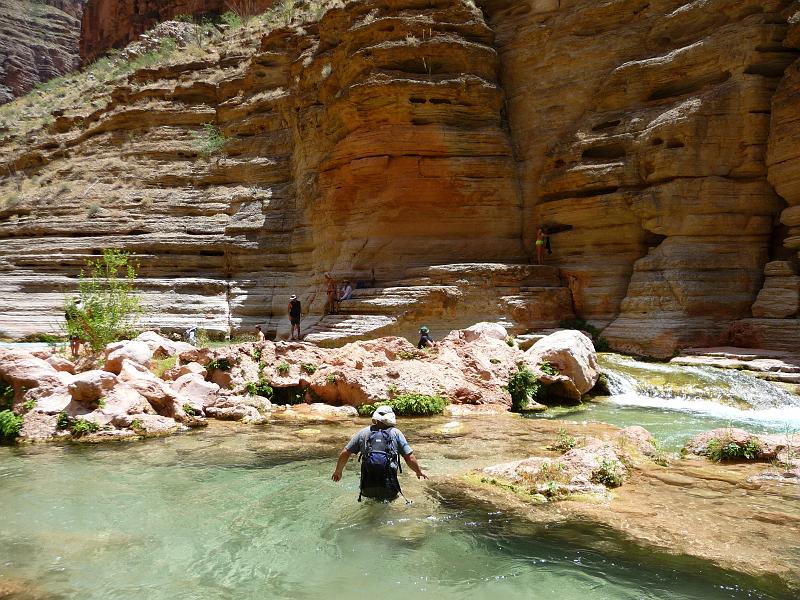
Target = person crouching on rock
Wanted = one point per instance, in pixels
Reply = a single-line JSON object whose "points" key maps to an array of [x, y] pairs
{"points": [[380, 446], [425, 339]]}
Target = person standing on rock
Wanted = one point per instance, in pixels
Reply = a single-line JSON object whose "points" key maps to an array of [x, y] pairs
{"points": [[331, 294], [259, 334], [380, 446], [294, 316], [72, 316], [540, 244]]}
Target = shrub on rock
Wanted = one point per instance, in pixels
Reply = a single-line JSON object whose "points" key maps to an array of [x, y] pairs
{"points": [[409, 405]]}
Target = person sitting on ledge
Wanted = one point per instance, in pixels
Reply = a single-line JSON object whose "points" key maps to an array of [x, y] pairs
{"points": [[259, 334], [346, 291], [425, 339]]}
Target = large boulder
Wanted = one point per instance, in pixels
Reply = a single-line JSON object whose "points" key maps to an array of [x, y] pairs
{"points": [[88, 387], [161, 347], [485, 330], [196, 391], [122, 400], [757, 446], [59, 363], [147, 425], [23, 371], [159, 394], [133, 350], [573, 354], [178, 371]]}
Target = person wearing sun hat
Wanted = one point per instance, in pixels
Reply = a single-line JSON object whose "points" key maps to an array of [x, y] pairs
{"points": [[425, 339], [294, 316], [380, 446]]}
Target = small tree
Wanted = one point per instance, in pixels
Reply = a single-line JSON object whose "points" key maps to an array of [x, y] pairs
{"points": [[107, 306]]}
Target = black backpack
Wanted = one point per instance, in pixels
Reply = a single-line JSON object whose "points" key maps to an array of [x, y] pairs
{"points": [[379, 467]]}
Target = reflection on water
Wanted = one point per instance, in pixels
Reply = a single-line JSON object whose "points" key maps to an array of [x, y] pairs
{"points": [[215, 515]]}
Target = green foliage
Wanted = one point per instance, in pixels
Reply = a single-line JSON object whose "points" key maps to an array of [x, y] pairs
{"points": [[257, 355], [63, 420], [331, 379], [210, 140], [189, 410], [308, 368], [162, 365], [410, 354], [110, 304], [29, 405], [726, 448], [548, 369], [183, 18], [282, 368], [600, 343], [6, 395], [409, 405], [258, 388], [524, 387], [232, 20], [391, 389], [10, 425], [81, 427], [101, 403], [607, 473], [136, 424], [565, 441], [510, 341], [219, 364]]}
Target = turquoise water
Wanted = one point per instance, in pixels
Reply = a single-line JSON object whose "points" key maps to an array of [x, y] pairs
{"points": [[676, 402], [253, 514]]}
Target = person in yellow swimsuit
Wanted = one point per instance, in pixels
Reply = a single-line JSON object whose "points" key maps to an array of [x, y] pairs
{"points": [[540, 242]]}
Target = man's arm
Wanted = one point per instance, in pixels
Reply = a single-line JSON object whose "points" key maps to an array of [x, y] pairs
{"points": [[411, 461], [344, 456]]}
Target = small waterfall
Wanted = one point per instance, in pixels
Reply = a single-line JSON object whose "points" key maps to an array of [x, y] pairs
{"points": [[721, 393]]}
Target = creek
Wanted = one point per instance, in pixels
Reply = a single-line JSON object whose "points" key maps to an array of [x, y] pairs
{"points": [[238, 511]]}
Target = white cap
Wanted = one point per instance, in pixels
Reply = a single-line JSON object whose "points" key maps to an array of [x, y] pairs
{"points": [[385, 416]]}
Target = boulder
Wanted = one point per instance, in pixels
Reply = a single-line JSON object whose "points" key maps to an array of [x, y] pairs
{"points": [[238, 412], [485, 330], [133, 350], [196, 391], [161, 347], [573, 354], [89, 386], [59, 363], [766, 446], [122, 400], [37, 426], [178, 371], [146, 424], [158, 393], [23, 371]]}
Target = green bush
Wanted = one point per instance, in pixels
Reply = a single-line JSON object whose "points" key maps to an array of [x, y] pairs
{"points": [[219, 364], [565, 441], [600, 343], [258, 388], [331, 378], [62, 421], [728, 449], [409, 405], [10, 425], [524, 387], [210, 140], [548, 369], [282, 368], [232, 20], [308, 368], [189, 410], [81, 427], [136, 424], [607, 473], [110, 304], [410, 354]]}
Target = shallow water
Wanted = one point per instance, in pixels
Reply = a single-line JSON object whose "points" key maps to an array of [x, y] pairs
{"points": [[243, 512]]}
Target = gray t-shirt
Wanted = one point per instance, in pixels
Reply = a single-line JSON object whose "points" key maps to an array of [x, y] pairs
{"points": [[359, 440]]}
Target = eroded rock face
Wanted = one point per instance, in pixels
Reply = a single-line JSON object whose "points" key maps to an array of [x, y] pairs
{"points": [[396, 140], [39, 42]]}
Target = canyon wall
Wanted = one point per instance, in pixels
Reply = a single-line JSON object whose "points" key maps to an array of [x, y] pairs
{"points": [[38, 41], [115, 23], [415, 146]]}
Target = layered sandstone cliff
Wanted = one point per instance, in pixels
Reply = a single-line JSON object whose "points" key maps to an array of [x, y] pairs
{"points": [[38, 41], [415, 146]]}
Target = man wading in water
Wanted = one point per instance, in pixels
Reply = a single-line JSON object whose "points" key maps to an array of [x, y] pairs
{"points": [[380, 446]]}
